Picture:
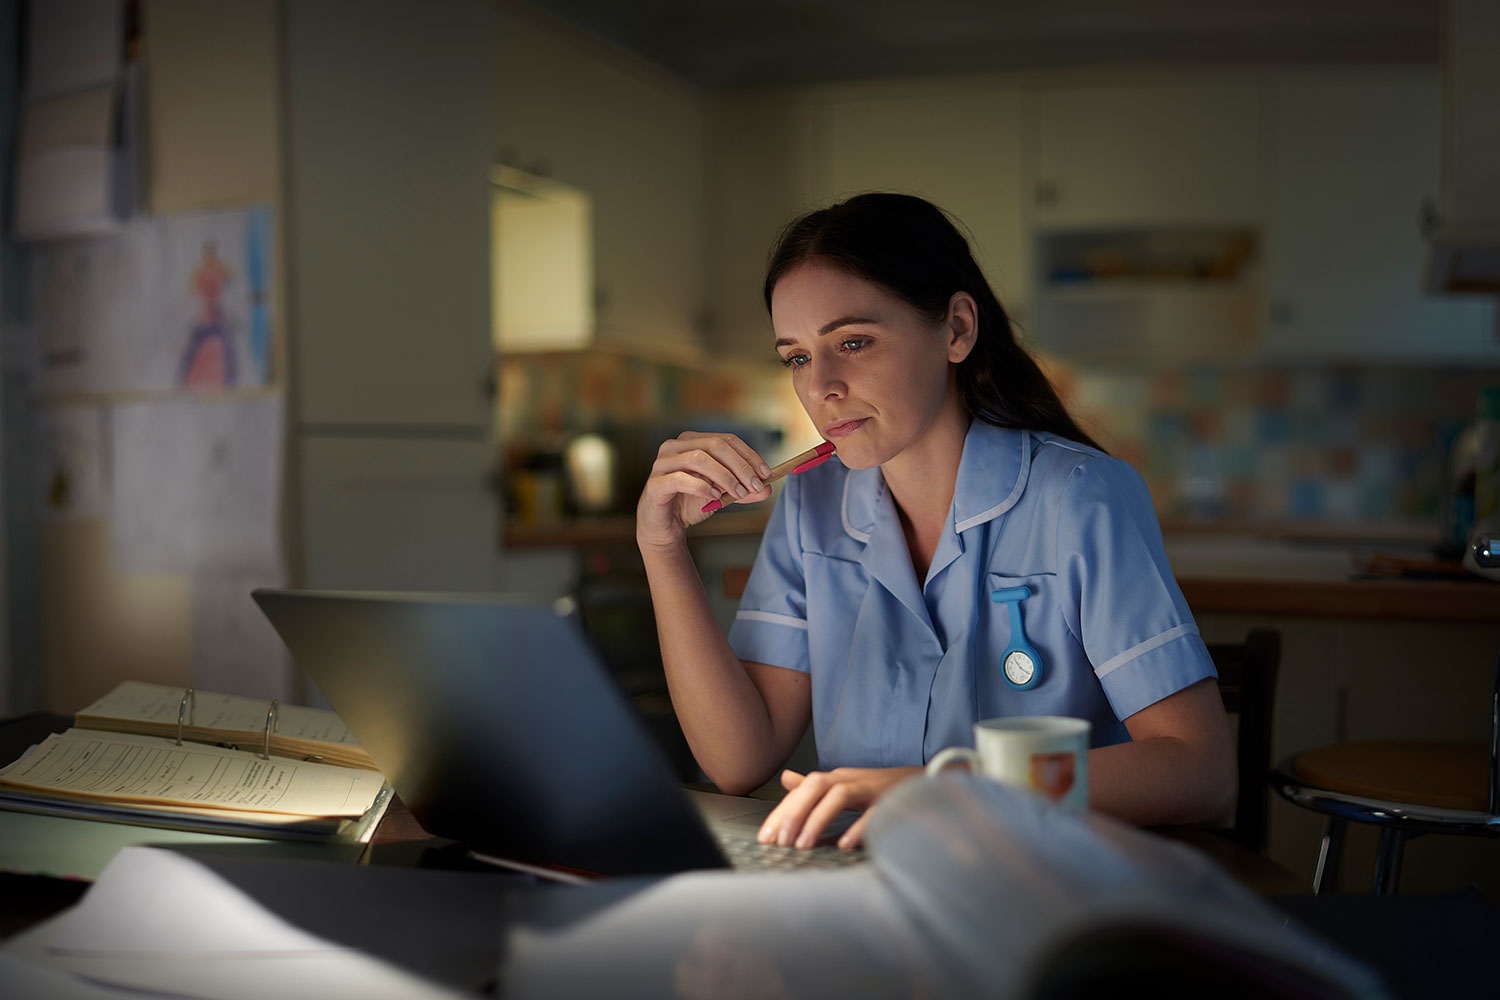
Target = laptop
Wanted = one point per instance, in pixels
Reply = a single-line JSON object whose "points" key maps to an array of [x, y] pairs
{"points": [[498, 726]]}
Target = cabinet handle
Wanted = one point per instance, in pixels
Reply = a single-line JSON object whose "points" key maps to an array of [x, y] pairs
{"points": [[1431, 220], [1046, 194], [489, 386]]}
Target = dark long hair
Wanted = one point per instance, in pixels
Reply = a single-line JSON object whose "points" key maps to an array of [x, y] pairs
{"points": [[911, 248]]}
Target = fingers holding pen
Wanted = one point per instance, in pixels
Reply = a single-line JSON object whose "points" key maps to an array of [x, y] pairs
{"points": [[722, 460]]}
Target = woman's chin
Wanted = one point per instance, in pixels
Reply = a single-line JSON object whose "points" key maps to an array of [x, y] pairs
{"points": [[855, 457]]}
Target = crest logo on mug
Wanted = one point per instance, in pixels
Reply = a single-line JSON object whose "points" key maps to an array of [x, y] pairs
{"points": [[1046, 754], [1052, 773]]}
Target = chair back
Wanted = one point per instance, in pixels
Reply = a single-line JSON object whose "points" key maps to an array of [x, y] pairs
{"points": [[1247, 684], [1494, 787]]}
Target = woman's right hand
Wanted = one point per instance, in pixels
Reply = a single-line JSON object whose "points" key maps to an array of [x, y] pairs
{"points": [[690, 471]]}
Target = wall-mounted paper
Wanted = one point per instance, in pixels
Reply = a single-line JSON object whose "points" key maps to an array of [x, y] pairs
{"points": [[170, 302], [217, 268], [197, 486], [75, 459], [65, 163]]}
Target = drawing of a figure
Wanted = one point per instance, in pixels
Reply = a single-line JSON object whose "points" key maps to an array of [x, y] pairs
{"points": [[209, 359]]}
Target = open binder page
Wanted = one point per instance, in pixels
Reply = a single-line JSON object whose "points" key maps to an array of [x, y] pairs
{"points": [[158, 704], [88, 764]]}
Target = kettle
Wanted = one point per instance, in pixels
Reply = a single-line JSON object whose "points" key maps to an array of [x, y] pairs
{"points": [[590, 465]]}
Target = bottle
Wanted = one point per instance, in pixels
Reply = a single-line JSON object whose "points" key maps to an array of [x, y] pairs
{"points": [[1458, 506], [1487, 458]]}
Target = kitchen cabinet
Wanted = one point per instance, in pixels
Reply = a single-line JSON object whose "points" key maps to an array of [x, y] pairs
{"points": [[773, 156], [631, 138], [760, 176], [388, 151], [1150, 153], [956, 145], [388, 206], [397, 514], [1350, 162]]}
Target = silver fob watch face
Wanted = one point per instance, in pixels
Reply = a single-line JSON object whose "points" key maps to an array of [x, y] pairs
{"points": [[1018, 667]]}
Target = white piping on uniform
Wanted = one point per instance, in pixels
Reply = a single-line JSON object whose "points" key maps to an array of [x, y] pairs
{"points": [[772, 618], [849, 529], [1015, 492], [1142, 648]]}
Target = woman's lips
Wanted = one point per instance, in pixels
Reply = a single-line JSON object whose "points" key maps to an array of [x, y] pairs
{"points": [[843, 428]]}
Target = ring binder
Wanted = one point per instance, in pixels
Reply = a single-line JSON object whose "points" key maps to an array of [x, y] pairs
{"points": [[188, 695], [271, 719], [226, 720]]}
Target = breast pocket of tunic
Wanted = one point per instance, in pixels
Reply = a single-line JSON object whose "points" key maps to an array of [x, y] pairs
{"points": [[1019, 667]]}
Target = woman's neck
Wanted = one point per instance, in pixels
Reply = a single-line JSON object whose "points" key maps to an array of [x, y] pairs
{"points": [[922, 480]]}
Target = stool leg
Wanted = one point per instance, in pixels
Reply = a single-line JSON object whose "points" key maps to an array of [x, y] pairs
{"points": [[1388, 861], [1326, 877]]}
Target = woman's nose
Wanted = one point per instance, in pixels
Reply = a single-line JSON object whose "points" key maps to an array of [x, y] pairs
{"points": [[828, 382]]}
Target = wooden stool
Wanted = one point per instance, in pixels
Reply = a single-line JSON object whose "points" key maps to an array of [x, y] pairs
{"points": [[1405, 787]]}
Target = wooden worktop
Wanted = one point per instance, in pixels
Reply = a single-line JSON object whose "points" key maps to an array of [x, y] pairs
{"points": [[1234, 574], [1430, 600]]}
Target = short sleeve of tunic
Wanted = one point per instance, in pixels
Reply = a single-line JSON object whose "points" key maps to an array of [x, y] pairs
{"points": [[1128, 612], [771, 625]]}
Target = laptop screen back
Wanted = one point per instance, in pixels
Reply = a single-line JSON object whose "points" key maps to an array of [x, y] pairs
{"points": [[496, 724]]}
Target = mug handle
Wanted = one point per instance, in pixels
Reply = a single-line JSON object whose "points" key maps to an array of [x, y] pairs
{"points": [[948, 755]]}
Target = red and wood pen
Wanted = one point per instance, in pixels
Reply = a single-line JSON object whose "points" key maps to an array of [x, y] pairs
{"points": [[798, 463]]}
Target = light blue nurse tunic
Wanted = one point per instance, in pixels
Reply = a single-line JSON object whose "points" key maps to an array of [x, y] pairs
{"points": [[901, 669]]}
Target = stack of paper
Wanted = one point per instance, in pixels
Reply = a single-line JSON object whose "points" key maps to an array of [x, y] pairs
{"points": [[216, 926]]}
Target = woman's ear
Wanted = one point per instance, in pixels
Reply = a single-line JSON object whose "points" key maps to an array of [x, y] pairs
{"points": [[962, 326]]}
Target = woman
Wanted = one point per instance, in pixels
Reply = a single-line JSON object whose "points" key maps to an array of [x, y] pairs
{"points": [[958, 474]]}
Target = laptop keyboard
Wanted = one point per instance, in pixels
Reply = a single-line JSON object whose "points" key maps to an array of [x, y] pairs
{"points": [[749, 855]]}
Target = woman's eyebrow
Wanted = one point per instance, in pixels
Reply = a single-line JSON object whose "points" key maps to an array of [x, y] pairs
{"points": [[828, 328]]}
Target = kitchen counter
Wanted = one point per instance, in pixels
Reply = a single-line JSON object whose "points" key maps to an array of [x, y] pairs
{"points": [[1269, 576], [1232, 573], [1431, 600]]}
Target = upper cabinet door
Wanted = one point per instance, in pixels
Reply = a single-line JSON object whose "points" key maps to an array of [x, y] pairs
{"points": [[388, 150], [1350, 164], [958, 147], [1143, 154]]}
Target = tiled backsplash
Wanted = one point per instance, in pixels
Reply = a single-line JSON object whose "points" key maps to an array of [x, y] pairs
{"points": [[1360, 444]]}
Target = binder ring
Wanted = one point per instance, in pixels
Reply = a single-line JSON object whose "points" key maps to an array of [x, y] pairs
{"points": [[189, 698], [272, 714]]}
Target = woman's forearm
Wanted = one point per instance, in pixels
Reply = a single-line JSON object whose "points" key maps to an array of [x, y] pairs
{"points": [[722, 713], [1162, 781]]}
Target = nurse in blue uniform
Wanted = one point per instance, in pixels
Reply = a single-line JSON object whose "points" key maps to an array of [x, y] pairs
{"points": [[967, 553]]}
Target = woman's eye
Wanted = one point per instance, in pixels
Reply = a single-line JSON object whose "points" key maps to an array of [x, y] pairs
{"points": [[853, 344], [794, 360]]}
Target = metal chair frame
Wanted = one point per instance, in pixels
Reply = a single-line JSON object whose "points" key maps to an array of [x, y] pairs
{"points": [[1398, 821]]}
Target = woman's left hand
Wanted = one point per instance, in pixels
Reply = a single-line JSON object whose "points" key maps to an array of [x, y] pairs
{"points": [[814, 799]]}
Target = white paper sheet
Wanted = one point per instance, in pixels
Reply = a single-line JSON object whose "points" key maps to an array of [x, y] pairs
{"points": [[20, 978], [156, 770], [198, 486], [971, 889], [75, 459], [97, 313], [216, 925]]}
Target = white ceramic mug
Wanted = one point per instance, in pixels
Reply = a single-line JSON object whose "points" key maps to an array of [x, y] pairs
{"points": [[1048, 754]]}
